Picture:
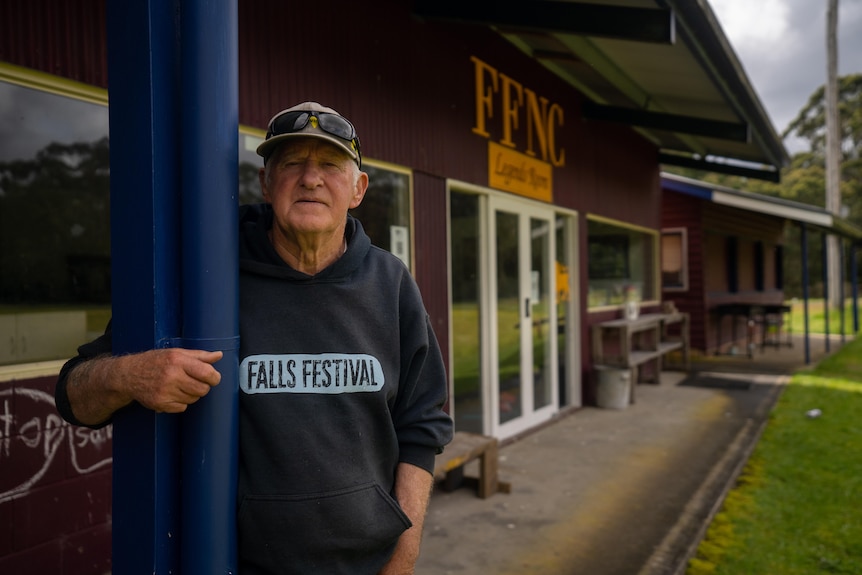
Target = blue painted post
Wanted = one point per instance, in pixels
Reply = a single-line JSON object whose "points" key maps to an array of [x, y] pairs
{"points": [[174, 130], [210, 133], [143, 72], [805, 279], [854, 287], [841, 295], [824, 242]]}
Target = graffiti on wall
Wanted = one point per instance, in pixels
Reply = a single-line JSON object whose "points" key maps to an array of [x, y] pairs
{"points": [[34, 439]]}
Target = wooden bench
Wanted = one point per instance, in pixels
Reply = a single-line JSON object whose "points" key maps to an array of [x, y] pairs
{"points": [[464, 448]]}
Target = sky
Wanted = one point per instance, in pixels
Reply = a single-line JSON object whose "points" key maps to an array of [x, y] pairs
{"points": [[782, 47]]}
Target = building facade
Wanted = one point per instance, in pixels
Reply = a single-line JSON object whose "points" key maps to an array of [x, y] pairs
{"points": [[523, 220]]}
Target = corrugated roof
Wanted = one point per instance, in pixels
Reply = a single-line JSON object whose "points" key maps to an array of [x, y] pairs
{"points": [[778, 207]]}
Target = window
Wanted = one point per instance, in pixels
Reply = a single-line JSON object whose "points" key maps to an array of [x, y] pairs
{"points": [[385, 211], [55, 270], [249, 166], [759, 271], [674, 259], [778, 256], [621, 263], [731, 244]]}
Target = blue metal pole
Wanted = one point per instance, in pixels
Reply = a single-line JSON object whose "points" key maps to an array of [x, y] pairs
{"points": [[841, 279], [805, 279], [854, 287], [143, 72], [824, 242], [210, 133]]}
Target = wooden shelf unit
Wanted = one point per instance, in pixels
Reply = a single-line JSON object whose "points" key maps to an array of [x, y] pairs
{"points": [[640, 341]]}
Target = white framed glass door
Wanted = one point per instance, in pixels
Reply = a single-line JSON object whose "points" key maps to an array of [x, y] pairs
{"points": [[522, 315]]}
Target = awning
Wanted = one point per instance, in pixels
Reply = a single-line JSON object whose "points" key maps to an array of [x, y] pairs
{"points": [[778, 207]]}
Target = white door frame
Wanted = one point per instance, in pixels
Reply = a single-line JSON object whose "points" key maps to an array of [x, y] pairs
{"points": [[530, 416], [489, 201]]}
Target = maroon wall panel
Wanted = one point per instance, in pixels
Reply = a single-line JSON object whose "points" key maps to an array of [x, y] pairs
{"points": [[55, 486], [684, 211], [64, 38], [431, 241]]}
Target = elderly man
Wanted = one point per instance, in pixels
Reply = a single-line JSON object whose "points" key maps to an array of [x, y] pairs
{"points": [[341, 378]]}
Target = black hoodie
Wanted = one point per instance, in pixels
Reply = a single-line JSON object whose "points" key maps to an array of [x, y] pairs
{"points": [[341, 379]]}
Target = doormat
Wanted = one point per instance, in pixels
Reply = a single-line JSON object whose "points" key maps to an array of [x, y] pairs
{"points": [[717, 382]]}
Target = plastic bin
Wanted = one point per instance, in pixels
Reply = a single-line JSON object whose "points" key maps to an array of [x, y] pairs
{"points": [[614, 387]]}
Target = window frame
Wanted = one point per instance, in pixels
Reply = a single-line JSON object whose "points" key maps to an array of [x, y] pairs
{"points": [[653, 237], [64, 88], [683, 233]]}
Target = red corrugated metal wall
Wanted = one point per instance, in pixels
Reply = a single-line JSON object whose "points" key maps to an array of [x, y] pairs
{"points": [[55, 487], [432, 266], [57, 37], [682, 211]]}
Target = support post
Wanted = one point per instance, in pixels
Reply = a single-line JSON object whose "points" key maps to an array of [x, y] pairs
{"points": [[854, 287], [803, 241], [174, 137], [841, 279], [826, 309], [210, 135], [143, 72]]}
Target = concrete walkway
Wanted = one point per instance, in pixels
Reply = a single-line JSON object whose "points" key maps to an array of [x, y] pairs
{"points": [[615, 492]]}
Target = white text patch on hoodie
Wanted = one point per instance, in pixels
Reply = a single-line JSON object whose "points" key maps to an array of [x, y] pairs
{"points": [[325, 373]]}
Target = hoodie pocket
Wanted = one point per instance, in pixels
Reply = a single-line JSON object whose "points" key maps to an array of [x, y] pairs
{"points": [[352, 530]]}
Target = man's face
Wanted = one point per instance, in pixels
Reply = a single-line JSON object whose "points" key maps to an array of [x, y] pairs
{"points": [[311, 184]]}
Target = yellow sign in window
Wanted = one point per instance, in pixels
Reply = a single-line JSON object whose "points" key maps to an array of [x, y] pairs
{"points": [[518, 173]]}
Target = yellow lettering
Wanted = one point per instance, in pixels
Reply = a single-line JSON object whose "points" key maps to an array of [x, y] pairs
{"points": [[543, 118], [558, 158], [484, 95], [536, 120], [511, 107]]}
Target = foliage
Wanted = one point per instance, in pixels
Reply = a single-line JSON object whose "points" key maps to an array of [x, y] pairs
{"points": [[804, 179], [792, 510], [810, 123]]}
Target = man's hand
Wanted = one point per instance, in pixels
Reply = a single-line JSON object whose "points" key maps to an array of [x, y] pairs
{"points": [[412, 490], [164, 380], [168, 380]]}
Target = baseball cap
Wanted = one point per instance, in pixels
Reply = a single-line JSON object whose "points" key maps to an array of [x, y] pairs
{"points": [[311, 119]]}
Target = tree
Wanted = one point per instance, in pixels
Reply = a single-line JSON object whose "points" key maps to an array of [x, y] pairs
{"points": [[810, 123]]}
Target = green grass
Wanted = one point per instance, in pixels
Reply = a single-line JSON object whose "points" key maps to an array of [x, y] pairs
{"points": [[816, 317], [795, 509]]}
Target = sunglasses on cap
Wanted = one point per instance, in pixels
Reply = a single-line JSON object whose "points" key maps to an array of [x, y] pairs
{"points": [[332, 124]]}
